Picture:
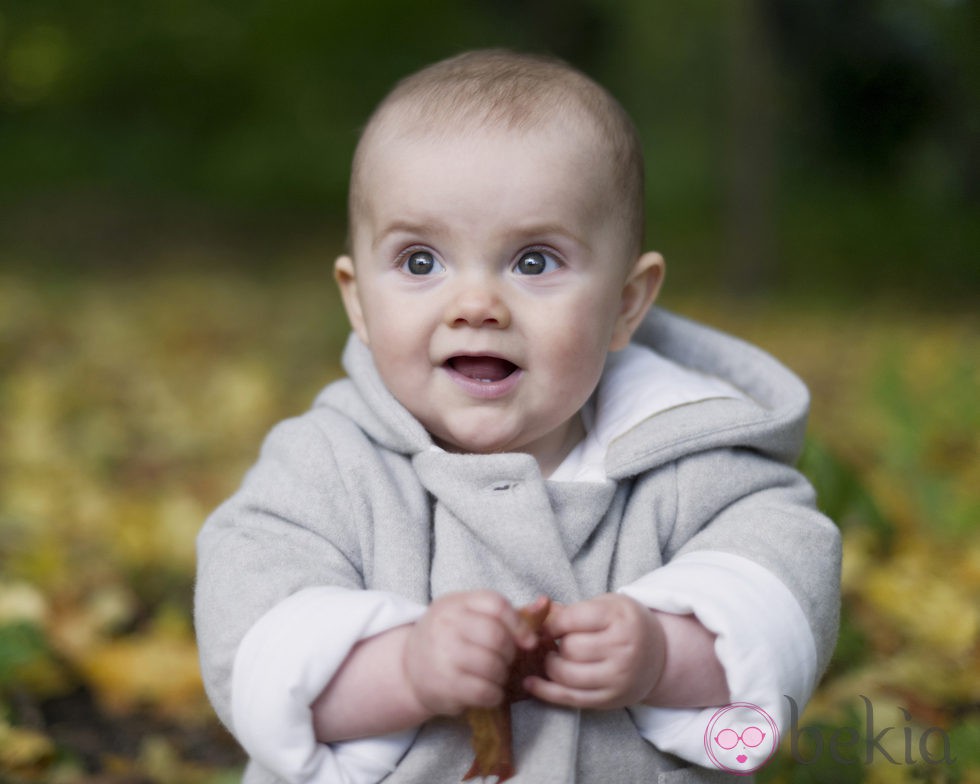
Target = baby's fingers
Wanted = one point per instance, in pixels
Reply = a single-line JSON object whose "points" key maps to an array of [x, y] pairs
{"points": [[559, 693], [493, 606], [488, 635], [600, 684], [578, 675], [476, 692], [588, 616]]}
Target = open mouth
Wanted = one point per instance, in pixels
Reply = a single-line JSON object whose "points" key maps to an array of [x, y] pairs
{"points": [[484, 369]]}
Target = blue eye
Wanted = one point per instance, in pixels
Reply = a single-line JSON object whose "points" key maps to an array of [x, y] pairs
{"points": [[421, 262], [535, 262]]}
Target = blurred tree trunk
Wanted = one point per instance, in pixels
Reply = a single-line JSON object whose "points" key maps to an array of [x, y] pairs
{"points": [[750, 230]]}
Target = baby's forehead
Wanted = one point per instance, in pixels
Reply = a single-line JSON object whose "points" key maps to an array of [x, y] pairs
{"points": [[400, 151], [401, 126], [434, 119]]}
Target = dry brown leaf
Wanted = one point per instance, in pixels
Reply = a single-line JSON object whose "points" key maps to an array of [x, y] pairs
{"points": [[493, 753]]}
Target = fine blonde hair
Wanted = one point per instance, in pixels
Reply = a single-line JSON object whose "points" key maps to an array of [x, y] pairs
{"points": [[514, 91]]}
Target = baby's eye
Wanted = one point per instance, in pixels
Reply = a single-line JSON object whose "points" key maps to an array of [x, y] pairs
{"points": [[535, 262], [421, 262]]}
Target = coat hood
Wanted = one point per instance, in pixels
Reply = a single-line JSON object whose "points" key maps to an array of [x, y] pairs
{"points": [[767, 414]]}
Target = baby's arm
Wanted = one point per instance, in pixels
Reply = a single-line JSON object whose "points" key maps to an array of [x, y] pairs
{"points": [[456, 656], [615, 652], [281, 601], [750, 558]]}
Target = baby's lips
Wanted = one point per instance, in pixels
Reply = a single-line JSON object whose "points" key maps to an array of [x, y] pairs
{"points": [[482, 367]]}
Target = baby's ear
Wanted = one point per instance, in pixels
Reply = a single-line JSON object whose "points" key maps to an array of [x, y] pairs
{"points": [[639, 291], [343, 273]]}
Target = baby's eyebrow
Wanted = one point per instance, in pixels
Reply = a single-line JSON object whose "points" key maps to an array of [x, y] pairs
{"points": [[422, 228], [521, 233], [532, 230]]}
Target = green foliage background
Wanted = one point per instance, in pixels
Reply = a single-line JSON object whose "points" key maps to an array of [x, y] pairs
{"points": [[858, 122], [172, 184]]}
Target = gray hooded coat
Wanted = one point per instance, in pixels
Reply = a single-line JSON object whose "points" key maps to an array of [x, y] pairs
{"points": [[353, 494]]}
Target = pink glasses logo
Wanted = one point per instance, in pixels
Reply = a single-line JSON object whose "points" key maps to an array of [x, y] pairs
{"points": [[741, 738]]}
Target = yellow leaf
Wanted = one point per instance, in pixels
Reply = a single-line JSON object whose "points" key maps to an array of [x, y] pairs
{"points": [[21, 748], [158, 670]]}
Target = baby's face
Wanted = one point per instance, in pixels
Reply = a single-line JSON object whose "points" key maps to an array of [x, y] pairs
{"points": [[488, 280]]}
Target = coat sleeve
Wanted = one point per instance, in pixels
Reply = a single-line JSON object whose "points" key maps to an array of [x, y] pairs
{"points": [[279, 603], [746, 504], [750, 556], [286, 528]]}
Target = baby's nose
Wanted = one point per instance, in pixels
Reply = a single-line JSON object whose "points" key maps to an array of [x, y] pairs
{"points": [[477, 303]]}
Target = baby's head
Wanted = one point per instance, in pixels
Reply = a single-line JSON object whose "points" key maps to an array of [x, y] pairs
{"points": [[514, 93], [496, 218]]}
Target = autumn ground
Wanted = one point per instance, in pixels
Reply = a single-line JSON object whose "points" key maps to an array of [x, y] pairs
{"points": [[133, 403]]}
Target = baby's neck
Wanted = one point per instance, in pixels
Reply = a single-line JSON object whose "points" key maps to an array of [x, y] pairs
{"points": [[574, 433]]}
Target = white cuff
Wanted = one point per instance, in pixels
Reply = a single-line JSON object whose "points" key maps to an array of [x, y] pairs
{"points": [[283, 664], [764, 644]]}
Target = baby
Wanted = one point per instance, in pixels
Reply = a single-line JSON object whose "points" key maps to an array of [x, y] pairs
{"points": [[516, 422]]}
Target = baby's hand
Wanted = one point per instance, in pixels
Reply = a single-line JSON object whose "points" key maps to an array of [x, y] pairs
{"points": [[458, 653], [611, 654]]}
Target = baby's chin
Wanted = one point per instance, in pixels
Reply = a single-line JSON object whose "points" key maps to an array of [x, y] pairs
{"points": [[478, 436], [488, 438], [477, 444]]}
